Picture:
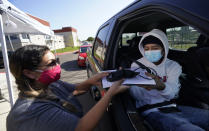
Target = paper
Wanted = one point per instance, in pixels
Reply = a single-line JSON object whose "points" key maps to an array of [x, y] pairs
{"points": [[139, 79]]}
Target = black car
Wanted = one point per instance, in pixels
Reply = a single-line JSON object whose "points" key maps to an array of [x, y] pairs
{"points": [[186, 24]]}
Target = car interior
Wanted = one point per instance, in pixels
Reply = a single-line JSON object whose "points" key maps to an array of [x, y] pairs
{"points": [[194, 79]]}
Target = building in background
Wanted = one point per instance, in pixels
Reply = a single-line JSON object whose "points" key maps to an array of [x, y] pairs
{"points": [[58, 42], [15, 41], [70, 36]]}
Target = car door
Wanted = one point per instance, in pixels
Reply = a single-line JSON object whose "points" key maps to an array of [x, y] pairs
{"points": [[96, 59], [140, 21]]}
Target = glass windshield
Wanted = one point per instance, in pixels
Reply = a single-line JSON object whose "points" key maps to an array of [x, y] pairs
{"points": [[83, 49]]}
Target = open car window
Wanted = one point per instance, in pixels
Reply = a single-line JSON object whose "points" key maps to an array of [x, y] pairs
{"points": [[182, 38]]}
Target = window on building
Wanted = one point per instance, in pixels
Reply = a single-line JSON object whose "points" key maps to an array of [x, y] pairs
{"points": [[12, 37], [25, 36], [182, 38], [99, 45]]}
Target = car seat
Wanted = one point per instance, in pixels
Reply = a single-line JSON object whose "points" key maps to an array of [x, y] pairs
{"points": [[195, 83], [202, 41], [178, 56], [130, 53], [134, 49]]}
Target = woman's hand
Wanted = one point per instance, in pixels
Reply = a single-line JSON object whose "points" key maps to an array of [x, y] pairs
{"points": [[159, 83], [96, 79], [117, 87]]}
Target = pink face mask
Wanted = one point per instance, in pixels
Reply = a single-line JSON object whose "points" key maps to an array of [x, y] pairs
{"points": [[51, 75]]}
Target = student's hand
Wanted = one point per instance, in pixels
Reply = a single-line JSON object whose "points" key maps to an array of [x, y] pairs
{"points": [[159, 83], [148, 87], [117, 87], [96, 79]]}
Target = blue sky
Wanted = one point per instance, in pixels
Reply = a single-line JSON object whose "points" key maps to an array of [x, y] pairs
{"points": [[84, 15]]}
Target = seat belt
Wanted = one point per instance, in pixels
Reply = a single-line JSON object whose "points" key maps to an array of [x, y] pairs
{"points": [[142, 66], [139, 64], [159, 106]]}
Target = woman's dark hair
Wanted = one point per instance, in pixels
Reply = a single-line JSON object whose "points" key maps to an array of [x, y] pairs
{"points": [[27, 57]]}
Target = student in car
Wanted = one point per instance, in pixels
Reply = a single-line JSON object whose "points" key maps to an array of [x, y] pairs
{"points": [[46, 103], [153, 100]]}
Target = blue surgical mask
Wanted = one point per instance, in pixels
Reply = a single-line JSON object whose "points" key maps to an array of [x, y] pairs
{"points": [[153, 55]]}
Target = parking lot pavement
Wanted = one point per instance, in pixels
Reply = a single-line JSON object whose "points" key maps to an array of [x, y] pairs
{"points": [[4, 103]]}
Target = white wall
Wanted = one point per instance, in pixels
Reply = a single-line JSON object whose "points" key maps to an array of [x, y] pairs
{"points": [[35, 39], [58, 42], [75, 39], [70, 38]]}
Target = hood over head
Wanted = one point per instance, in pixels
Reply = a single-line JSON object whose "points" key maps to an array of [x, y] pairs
{"points": [[158, 34]]}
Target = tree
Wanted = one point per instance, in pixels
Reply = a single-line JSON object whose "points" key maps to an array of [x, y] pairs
{"points": [[90, 39]]}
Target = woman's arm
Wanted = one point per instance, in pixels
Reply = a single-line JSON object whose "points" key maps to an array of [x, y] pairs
{"points": [[94, 80], [89, 121]]}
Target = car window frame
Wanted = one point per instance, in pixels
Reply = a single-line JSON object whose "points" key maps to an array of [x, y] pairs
{"points": [[100, 65], [144, 13]]}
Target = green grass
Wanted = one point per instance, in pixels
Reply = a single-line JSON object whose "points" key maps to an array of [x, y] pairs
{"points": [[66, 49]]}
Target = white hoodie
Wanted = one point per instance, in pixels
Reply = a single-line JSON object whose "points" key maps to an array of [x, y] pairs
{"points": [[168, 70]]}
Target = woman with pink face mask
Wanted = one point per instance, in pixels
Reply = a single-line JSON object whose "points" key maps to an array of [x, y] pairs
{"points": [[47, 104]]}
